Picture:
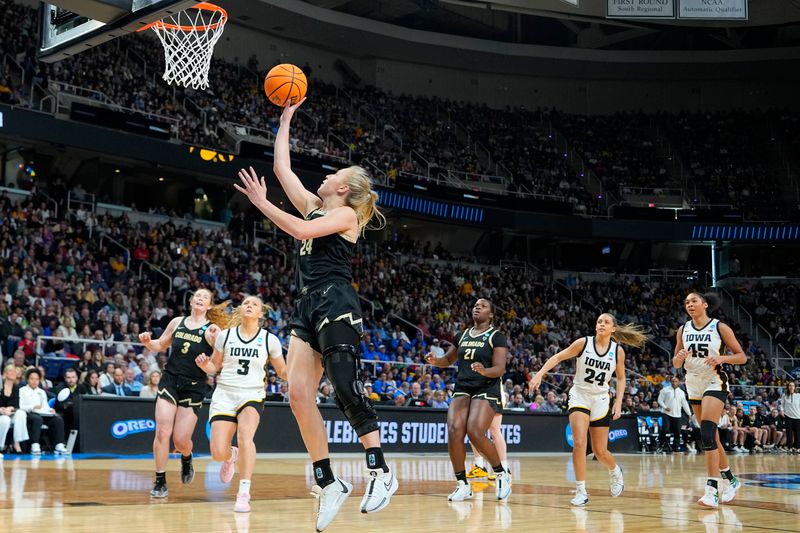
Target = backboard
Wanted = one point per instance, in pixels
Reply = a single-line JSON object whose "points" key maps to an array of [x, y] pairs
{"points": [[69, 27]]}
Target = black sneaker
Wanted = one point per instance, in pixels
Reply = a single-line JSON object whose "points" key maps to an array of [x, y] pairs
{"points": [[159, 489], [187, 470]]}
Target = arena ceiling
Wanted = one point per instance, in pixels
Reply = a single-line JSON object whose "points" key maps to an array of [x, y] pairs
{"points": [[772, 23]]}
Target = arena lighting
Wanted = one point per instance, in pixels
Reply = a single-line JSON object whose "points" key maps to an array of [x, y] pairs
{"points": [[328, 167], [471, 196], [740, 232], [432, 208], [420, 187]]}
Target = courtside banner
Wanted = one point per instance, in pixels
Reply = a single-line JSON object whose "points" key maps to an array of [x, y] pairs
{"points": [[713, 9], [110, 424], [641, 9]]}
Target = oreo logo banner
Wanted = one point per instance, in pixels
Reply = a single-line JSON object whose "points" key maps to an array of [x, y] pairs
{"points": [[123, 428]]}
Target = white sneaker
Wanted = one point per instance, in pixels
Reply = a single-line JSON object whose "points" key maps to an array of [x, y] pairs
{"points": [[581, 498], [729, 490], [463, 491], [36, 449], [61, 449], [710, 499], [502, 488], [330, 499], [379, 490], [617, 483]]}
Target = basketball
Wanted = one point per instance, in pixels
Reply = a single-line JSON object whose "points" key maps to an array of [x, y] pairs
{"points": [[285, 84]]}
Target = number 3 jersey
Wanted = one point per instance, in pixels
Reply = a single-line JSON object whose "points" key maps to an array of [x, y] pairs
{"points": [[477, 348], [702, 343], [594, 369], [244, 362]]}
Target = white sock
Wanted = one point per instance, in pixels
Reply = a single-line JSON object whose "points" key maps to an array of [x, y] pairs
{"points": [[505, 466], [479, 462], [244, 486], [581, 486]]}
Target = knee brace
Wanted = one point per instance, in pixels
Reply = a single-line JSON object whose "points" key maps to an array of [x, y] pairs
{"points": [[341, 365], [708, 434]]}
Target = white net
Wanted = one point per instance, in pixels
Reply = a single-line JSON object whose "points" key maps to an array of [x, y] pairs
{"points": [[189, 38]]}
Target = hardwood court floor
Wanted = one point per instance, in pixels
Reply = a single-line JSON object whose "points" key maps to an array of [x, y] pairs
{"points": [[111, 495]]}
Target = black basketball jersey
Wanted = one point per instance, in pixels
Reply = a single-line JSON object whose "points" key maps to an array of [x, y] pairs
{"points": [[477, 349], [187, 344], [324, 259]]}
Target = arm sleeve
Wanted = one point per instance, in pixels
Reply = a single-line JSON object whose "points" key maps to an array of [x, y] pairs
{"points": [[274, 346]]}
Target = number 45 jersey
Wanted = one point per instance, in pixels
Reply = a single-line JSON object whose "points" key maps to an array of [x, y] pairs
{"points": [[244, 363], [594, 370]]}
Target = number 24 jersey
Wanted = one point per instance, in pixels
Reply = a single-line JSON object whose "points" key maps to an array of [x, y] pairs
{"points": [[244, 362], [594, 370]]}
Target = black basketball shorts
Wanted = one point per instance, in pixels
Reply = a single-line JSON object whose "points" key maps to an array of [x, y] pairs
{"points": [[321, 305]]}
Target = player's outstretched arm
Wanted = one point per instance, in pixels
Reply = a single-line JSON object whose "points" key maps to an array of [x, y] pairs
{"points": [[302, 199], [573, 350], [164, 341]]}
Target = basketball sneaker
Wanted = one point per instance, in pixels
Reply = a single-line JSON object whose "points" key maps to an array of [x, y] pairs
{"points": [[242, 503], [228, 467], [581, 498], [379, 490], [490, 476], [729, 490], [477, 472], [61, 449], [159, 489], [187, 470], [330, 499], [503, 487], [617, 483], [36, 449], [463, 492], [710, 499]]}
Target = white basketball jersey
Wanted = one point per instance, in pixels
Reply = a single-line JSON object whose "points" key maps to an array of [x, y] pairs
{"points": [[244, 362], [594, 370], [702, 343]]}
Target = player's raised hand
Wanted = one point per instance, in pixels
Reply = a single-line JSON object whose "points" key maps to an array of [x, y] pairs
{"points": [[430, 359], [289, 110], [681, 356], [145, 338]]}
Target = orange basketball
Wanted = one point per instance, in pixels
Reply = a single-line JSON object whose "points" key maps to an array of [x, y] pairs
{"points": [[285, 83]]}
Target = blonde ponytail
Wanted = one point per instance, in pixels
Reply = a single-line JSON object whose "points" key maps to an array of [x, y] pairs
{"points": [[363, 200], [630, 333], [218, 315]]}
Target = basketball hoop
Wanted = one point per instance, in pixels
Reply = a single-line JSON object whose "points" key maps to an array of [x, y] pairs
{"points": [[189, 38]]}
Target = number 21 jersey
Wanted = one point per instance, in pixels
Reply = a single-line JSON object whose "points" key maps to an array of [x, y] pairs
{"points": [[594, 370], [244, 363]]}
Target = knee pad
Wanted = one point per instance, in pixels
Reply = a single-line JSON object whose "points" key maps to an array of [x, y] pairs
{"points": [[341, 365], [708, 434]]}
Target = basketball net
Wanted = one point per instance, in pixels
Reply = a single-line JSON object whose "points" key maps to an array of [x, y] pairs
{"points": [[188, 38]]}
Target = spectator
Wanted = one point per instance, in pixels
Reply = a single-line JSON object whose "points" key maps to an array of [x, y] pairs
{"points": [[91, 382], [550, 405], [325, 394], [118, 387], [9, 409], [439, 401], [33, 401], [107, 377], [131, 383], [66, 395], [150, 388], [415, 399]]}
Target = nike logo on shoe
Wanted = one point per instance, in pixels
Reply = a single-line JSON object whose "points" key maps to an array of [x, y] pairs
{"points": [[344, 487]]}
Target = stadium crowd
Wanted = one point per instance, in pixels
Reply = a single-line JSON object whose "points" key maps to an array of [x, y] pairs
{"points": [[401, 135], [58, 282]]}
